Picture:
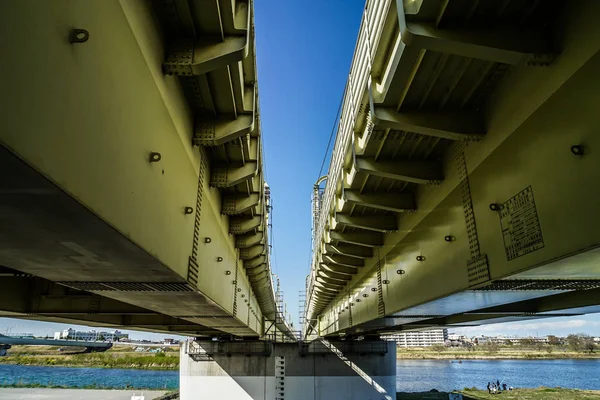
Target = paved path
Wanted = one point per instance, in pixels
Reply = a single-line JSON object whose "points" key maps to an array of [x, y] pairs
{"points": [[74, 394]]}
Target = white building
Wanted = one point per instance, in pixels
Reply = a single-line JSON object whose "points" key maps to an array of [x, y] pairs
{"points": [[419, 338], [91, 335]]}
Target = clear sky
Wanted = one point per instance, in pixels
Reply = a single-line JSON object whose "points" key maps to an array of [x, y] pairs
{"points": [[304, 50]]}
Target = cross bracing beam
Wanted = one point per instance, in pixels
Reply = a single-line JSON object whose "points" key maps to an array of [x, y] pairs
{"points": [[323, 292], [377, 223], [349, 250], [244, 224], [252, 252], [255, 262], [256, 281], [452, 125], [342, 269], [320, 287], [503, 45], [237, 203], [416, 171], [228, 175], [330, 284], [396, 202], [222, 130], [369, 239], [255, 277], [254, 185], [249, 239], [255, 270], [322, 301], [188, 58], [333, 275], [343, 260]]}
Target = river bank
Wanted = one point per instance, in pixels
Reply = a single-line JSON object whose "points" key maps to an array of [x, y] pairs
{"points": [[503, 353], [120, 356], [76, 394], [517, 394]]}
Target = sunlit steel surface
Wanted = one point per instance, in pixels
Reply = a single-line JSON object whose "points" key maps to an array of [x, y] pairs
{"points": [[460, 189], [133, 170]]}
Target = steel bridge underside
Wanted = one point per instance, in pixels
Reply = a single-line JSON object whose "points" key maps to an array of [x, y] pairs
{"points": [[132, 191], [462, 189]]}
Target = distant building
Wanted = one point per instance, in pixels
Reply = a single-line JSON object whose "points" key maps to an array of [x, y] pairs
{"points": [[457, 340], [419, 338], [91, 335], [170, 341], [509, 340]]}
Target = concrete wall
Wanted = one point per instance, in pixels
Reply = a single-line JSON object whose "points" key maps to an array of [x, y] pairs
{"points": [[306, 377]]}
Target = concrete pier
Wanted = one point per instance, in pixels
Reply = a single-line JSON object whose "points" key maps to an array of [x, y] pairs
{"points": [[288, 371]]}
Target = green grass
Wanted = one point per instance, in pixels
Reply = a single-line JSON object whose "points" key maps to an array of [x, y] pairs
{"points": [[541, 393], [502, 352], [110, 359], [54, 386]]}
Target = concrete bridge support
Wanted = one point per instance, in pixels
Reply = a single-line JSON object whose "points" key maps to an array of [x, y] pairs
{"points": [[3, 349], [291, 371]]}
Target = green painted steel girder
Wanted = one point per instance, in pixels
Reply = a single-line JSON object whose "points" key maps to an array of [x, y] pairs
{"points": [[508, 46], [260, 281], [251, 252], [221, 131], [233, 204], [416, 171], [228, 175], [340, 259], [255, 262], [206, 54], [334, 275], [349, 250], [331, 283], [255, 277], [340, 269], [377, 223], [249, 239], [243, 224], [325, 295], [396, 202], [452, 125], [370, 239], [320, 287], [256, 270]]}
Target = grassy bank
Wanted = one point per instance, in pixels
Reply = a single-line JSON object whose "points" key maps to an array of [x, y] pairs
{"points": [[517, 394], [117, 357], [501, 353]]}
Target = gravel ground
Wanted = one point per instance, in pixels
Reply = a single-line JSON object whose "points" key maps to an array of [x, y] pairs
{"points": [[74, 394]]}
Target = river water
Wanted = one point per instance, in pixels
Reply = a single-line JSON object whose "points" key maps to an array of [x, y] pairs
{"points": [[80, 377], [443, 375], [412, 375]]}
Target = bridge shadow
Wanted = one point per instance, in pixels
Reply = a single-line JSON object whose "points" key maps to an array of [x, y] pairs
{"points": [[287, 370]]}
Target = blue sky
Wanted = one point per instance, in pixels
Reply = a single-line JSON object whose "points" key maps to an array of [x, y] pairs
{"points": [[304, 50]]}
